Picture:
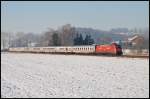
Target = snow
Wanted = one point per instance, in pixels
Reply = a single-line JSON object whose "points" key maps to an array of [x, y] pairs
{"points": [[48, 75]]}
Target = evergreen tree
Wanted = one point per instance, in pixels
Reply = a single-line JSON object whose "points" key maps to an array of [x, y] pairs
{"points": [[76, 39], [55, 39], [88, 40], [80, 40]]}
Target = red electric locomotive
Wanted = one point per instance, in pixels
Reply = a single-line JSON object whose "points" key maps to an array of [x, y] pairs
{"points": [[113, 49]]}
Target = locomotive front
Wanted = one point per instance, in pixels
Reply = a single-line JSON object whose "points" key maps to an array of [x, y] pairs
{"points": [[118, 49]]}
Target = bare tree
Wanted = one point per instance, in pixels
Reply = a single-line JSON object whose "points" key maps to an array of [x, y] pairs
{"points": [[46, 38], [67, 35], [5, 40]]}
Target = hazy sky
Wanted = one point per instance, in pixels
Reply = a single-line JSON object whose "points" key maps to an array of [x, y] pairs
{"points": [[37, 16]]}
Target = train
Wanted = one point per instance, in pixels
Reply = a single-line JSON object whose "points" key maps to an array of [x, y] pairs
{"points": [[106, 49]]}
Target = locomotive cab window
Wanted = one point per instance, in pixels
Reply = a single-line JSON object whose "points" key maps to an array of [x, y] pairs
{"points": [[118, 46]]}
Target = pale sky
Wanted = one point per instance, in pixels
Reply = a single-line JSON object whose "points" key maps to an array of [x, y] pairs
{"points": [[38, 16]]}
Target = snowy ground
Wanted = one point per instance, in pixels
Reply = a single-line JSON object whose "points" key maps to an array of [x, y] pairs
{"points": [[45, 75]]}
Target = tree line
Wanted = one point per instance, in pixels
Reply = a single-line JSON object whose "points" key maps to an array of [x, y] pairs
{"points": [[63, 36], [78, 40]]}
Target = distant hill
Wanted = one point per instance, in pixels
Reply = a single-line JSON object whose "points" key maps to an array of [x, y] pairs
{"points": [[119, 30]]}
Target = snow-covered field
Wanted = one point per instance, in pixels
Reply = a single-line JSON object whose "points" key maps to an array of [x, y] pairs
{"points": [[46, 75]]}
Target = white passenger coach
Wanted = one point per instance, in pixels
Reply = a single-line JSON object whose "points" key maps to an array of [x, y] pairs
{"points": [[56, 49]]}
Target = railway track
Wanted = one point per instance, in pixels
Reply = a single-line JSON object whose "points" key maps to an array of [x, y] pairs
{"points": [[91, 54], [136, 56]]}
